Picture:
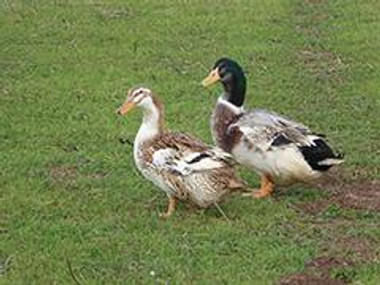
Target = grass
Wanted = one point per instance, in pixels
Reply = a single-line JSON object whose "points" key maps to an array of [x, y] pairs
{"points": [[69, 189]]}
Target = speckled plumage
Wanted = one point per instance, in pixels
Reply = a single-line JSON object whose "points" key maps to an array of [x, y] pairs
{"points": [[184, 167], [201, 187]]}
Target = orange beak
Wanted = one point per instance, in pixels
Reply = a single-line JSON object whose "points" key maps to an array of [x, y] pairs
{"points": [[126, 107], [212, 78]]}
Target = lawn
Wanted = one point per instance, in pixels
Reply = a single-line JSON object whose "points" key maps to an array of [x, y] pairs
{"points": [[73, 206]]}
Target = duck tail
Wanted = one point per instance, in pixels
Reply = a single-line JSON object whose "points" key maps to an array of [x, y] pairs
{"points": [[331, 161], [320, 156]]}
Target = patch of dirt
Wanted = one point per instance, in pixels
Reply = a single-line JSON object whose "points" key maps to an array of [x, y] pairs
{"points": [[66, 174], [334, 178], [339, 251], [317, 271], [363, 172], [307, 279], [63, 172], [113, 14], [359, 194], [313, 208], [326, 263], [360, 249]]}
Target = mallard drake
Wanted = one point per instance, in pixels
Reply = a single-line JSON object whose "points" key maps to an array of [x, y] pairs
{"points": [[280, 150], [184, 167]]}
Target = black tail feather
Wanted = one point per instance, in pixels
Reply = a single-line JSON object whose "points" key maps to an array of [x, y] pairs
{"points": [[315, 154]]}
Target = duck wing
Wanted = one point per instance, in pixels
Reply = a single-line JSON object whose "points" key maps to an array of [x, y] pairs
{"points": [[264, 131], [265, 118], [182, 154]]}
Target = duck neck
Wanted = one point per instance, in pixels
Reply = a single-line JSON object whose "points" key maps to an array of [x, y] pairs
{"points": [[225, 114], [152, 123], [234, 90]]}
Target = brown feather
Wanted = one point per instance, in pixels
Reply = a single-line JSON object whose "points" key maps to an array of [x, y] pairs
{"points": [[179, 141], [202, 188], [160, 108], [224, 137]]}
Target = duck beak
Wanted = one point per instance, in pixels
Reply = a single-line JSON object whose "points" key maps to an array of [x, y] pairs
{"points": [[212, 78], [125, 108]]}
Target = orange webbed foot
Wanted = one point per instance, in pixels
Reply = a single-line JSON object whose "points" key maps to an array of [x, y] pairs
{"points": [[265, 190], [171, 207]]}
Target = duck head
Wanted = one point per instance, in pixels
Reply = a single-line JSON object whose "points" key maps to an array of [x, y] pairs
{"points": [[231, 75], [139, 97], [144, 98]]}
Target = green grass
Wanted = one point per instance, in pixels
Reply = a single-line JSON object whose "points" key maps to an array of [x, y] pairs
{"points": [[69, 189]]}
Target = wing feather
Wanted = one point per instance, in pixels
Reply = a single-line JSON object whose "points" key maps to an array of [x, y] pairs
{"points": [[182, 154], [265, 129]]}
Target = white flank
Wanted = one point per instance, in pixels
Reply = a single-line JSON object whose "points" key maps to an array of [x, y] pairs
{"points": [[284, 164]]}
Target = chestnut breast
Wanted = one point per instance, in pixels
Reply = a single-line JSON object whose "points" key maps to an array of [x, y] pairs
{"points": [[224, 136]]}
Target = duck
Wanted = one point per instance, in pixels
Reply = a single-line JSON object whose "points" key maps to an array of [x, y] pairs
{"points": [[184, 167], [281, 151]]}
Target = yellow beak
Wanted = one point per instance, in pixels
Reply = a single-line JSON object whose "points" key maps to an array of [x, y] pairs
{"points": [[212, 78], [126, 107]]}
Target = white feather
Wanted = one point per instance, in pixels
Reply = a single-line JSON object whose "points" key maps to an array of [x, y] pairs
{"points": [[168, 159], [206, 163], [232, 107], [284, 164], [186, 165], [331, 161], [162, 157]]}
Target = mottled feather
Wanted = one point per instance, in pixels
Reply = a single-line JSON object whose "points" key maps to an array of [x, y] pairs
{"points": [[190, 169], [266, 129]]}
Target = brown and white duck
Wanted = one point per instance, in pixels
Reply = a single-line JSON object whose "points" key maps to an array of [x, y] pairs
{"points": [[182, 166], [280, 150]]}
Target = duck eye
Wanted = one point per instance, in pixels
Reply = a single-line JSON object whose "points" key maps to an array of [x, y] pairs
{"points": [[222, 71]]}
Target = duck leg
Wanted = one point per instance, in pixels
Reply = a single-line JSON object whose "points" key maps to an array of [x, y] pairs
{"points": [[171, 207], [266, 188]]}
